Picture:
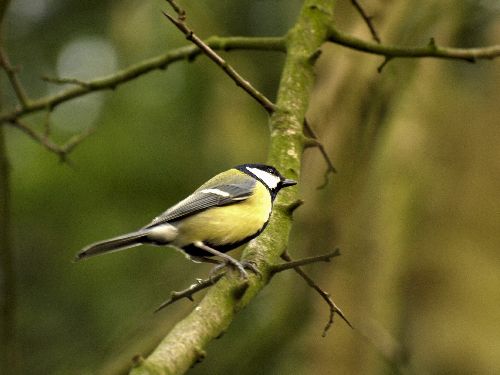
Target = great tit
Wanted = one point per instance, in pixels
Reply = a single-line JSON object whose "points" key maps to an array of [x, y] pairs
{"points": [[224, 213]]}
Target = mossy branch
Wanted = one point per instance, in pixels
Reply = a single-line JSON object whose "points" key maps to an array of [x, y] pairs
{"points": [[430, 50], [185, 344]]}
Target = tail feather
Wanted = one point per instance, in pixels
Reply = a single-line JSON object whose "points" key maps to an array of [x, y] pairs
{"points": [[114, 244]]}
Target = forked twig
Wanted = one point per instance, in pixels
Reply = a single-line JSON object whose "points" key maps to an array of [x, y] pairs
{"points": [[334, 309], [61, 150], [180, 23]]}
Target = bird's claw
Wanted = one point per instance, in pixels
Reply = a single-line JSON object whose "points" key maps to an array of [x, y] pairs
{"points": [[252, 266]]}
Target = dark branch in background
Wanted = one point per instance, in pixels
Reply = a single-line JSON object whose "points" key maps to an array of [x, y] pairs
{"points": [[180, 23], [367, 19], [431, 50], [9, 347], [160, 62], [334, 309], [312, 141]]}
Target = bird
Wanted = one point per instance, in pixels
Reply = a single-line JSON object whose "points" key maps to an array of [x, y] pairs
{"points": [[224, 213]]}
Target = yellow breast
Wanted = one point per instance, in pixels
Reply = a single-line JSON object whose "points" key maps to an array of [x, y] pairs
{"points": [[227, 224]]}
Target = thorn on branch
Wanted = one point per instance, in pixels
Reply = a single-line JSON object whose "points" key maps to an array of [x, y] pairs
{"points": [[137, 360], [200, 354], [384, 63], [432, 44], [315, 56], [334, 309], [290, 209], [330, 168]]}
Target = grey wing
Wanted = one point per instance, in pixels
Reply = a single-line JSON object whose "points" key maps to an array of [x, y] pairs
{"points": [[205, 198]]}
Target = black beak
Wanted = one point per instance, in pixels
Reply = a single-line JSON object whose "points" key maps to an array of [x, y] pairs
{"points": [[287, 182]]}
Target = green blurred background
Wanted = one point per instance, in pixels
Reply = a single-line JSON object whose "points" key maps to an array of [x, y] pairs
{"points": [[414, 207]]}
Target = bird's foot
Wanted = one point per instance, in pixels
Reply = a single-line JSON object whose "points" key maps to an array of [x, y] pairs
{"points": [[252, 266]]}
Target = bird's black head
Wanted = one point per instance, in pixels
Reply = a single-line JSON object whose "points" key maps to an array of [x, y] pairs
{"points": [[268, 175]]}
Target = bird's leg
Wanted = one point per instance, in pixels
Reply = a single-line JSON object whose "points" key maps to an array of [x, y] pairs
{"points": [[228, 260], [203, 259], [214, 271]]}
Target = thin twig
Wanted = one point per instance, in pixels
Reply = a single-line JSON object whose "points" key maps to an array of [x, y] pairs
{"points": [[75, 140], [189, 292], [302, 262], [334, 309], [14, 79], [367, 19], [316, 143], [61, 150], [128, 74], [180, 23], [384, 63], [431, 50], [46, 125], [64, 81]]}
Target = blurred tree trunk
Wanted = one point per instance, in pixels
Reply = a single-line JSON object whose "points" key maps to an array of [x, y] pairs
{"points": [[8, 363], [379, 196]]}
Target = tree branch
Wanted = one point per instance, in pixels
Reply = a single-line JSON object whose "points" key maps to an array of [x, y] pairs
{"points": [[431, 50], [185, 344], [160, 62], [334, 309], [61, 150], [312, 141], [189, 292], [14, 80], [302, 262], [367, 19], [228, 69]]}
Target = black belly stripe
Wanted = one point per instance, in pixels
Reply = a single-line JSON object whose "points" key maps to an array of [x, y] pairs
{"points": [[191, 249]]}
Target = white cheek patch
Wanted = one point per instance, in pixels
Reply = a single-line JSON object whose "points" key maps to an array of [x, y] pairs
{"points": [[219, 192], [269, 179]]}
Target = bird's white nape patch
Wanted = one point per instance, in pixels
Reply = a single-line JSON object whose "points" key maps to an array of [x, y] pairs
{"points": [[222, 193], [269, 179]]}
